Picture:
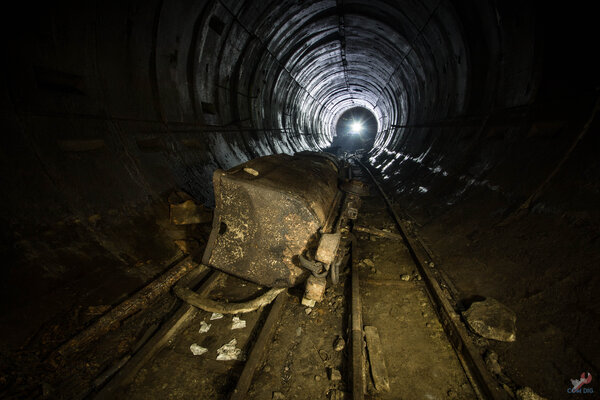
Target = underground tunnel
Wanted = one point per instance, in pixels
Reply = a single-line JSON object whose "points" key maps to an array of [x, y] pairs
{"points": [[420, 178]]}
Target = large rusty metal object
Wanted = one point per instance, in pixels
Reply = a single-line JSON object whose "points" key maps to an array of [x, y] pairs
{"points": [[269, 211]]}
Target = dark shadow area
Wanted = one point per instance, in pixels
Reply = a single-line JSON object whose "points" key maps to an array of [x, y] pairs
{"points": [[464, 304]]}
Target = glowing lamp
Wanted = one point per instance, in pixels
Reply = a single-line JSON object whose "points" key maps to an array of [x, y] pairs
{"points": [[356, 127]]}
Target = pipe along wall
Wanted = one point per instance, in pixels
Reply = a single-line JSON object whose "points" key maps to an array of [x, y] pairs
{"points": [[108, 107]]}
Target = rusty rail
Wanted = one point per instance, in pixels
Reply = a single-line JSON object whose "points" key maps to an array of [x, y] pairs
{"points": [[257, 353], [358, 363], [482, 381], [175, 324]]}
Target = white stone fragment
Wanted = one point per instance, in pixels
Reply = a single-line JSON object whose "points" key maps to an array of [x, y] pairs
{"points": [[197, 350], [527, 393], [216, 315], [204, 327], [237, 323], [368, 262], [229, 352]]}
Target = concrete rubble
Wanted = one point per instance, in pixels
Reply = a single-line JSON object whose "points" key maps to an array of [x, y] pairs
{"points": [[335, 375], [197, 350], [229, 352], [237, 323], [492, 320], [204, 327], [339, 344]]}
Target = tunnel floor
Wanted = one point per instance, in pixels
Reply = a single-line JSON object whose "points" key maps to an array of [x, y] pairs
{"points": [[298, 363], [535, 265]]}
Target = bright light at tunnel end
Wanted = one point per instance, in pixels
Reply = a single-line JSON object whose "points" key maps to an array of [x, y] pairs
{"points": [[356, 127]]}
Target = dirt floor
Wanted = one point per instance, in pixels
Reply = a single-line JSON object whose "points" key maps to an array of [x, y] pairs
{"points": [[63, 277], [176, 373], [302, 359], [296, 365], [541, 266], [421, 362], [548, 279]]}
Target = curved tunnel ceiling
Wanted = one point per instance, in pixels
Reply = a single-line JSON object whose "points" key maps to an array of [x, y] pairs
{"points": [[170, 90]]}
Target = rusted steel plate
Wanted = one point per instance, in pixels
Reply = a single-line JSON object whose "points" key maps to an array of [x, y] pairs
{"points": [[264, 219]]}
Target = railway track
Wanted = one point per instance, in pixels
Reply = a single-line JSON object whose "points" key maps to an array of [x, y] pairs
{"points": [[388, 330]]}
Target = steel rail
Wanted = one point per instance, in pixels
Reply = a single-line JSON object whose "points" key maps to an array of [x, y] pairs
{"points": [[484, 385]]}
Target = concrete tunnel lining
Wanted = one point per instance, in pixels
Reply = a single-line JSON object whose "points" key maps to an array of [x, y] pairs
{"points": [[110, 107], [241, 70]]}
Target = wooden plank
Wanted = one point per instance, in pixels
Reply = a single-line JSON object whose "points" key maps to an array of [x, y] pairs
{"points": [[377, 282], [258, 350], [378, 368], [170, 328], [358, 371], [133, 304], [378, 232]]}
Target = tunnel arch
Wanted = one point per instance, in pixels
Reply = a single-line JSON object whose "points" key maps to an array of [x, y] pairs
{"points": [[249, 79]]}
